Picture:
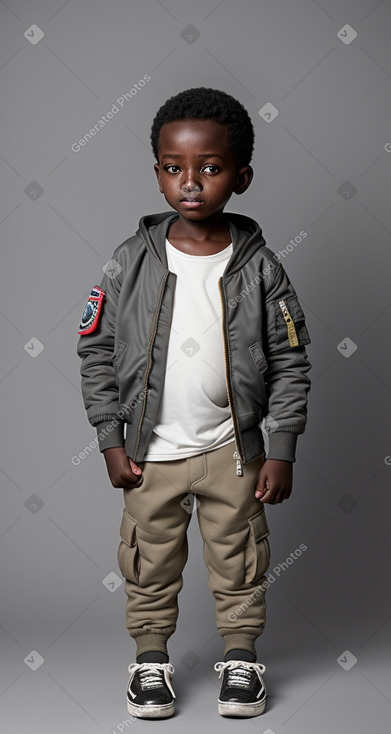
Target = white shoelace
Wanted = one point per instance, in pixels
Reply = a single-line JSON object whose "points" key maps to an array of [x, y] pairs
{"points": [[150, 674], [239, 672]]}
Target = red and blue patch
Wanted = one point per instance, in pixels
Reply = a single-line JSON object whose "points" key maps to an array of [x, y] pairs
{"points": [[92, 311]]}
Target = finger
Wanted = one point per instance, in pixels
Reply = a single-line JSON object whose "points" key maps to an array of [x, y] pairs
{"points": [[261, 490], [129, 484], [276, 500], [280, 496], [270, 496], [135, 469]]}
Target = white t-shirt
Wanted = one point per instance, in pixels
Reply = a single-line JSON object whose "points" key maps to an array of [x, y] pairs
{"points": [[194, 414]]}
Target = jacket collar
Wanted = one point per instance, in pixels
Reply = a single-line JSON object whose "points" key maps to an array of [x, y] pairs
{"points": [[246, 236]]}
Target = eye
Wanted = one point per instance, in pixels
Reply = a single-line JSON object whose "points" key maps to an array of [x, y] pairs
{"points": [[211, 165], [172, 166]]}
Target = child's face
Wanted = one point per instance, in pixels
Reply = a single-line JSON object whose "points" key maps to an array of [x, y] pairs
{"points": [[195, 160]]}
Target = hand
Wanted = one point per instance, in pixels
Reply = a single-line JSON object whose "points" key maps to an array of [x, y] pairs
{"points": [[123, 472], [274, 481]]}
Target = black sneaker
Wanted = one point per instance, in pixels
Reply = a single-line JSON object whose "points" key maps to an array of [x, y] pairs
{"points": [[243, 691], [150, 694]]}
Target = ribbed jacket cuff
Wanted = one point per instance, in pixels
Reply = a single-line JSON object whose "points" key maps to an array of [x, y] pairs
{"points": [[282, 445], [110, 434]]}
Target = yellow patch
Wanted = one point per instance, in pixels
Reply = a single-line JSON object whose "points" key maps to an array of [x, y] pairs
{"points": [[292, 336]]}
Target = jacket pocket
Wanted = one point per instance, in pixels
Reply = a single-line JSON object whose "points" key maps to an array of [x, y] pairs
{"points": [[260, 362], [117, 357], [258, 357], [257, 553], [288, 310], [128, 550]]}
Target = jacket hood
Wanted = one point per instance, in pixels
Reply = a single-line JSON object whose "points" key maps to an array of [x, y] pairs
{"points": [[246, 236]]}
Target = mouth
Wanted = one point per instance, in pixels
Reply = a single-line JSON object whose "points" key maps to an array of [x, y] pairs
{"points": [[189, 203]]}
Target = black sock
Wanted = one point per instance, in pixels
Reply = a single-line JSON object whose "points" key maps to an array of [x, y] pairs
{"points": [[152, 656], [246, 655]]}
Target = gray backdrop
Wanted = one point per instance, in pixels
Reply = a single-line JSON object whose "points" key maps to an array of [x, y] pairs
{"points": [[316, 80]]}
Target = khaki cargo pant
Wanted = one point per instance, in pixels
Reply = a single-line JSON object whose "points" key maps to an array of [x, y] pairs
{"points": [[154, 548]]}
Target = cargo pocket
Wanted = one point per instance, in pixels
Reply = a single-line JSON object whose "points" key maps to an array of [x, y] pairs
{"points": [[128, 551], [257, 553]]}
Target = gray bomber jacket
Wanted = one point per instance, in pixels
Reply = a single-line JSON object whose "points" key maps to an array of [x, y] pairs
{"points": [[124, 356]]}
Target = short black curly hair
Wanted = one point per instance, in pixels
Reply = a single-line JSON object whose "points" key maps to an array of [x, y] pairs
{"points": [[209, 104]]}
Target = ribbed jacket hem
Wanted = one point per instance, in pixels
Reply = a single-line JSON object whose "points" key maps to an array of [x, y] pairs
{"points": [[282, 445], [110, 433]]}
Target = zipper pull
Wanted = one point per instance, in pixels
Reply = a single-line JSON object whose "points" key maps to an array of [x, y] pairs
{"points": [[239, 468]]}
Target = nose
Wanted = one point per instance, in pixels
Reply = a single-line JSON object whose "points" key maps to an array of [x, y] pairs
{"points": [[189, 185]]}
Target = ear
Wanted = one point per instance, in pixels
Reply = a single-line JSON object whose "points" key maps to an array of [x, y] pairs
{"points": [[244, 178], [158, 176]]}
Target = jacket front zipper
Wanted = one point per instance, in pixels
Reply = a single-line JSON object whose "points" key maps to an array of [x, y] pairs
{"points": [[149, 356], [231, 398]]}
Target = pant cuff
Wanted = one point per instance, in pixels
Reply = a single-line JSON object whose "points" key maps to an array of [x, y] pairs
{"points": [[241, 641], [150, 641]]}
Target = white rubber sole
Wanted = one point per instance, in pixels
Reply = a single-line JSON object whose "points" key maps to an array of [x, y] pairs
{"points": [[241, 709], [151, 712]]}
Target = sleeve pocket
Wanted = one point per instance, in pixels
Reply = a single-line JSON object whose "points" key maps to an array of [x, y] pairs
{"points": [[257, 554], [296, 313], [128, 551]]}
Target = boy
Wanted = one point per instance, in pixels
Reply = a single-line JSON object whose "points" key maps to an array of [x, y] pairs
{"points": [[194, 338]]}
